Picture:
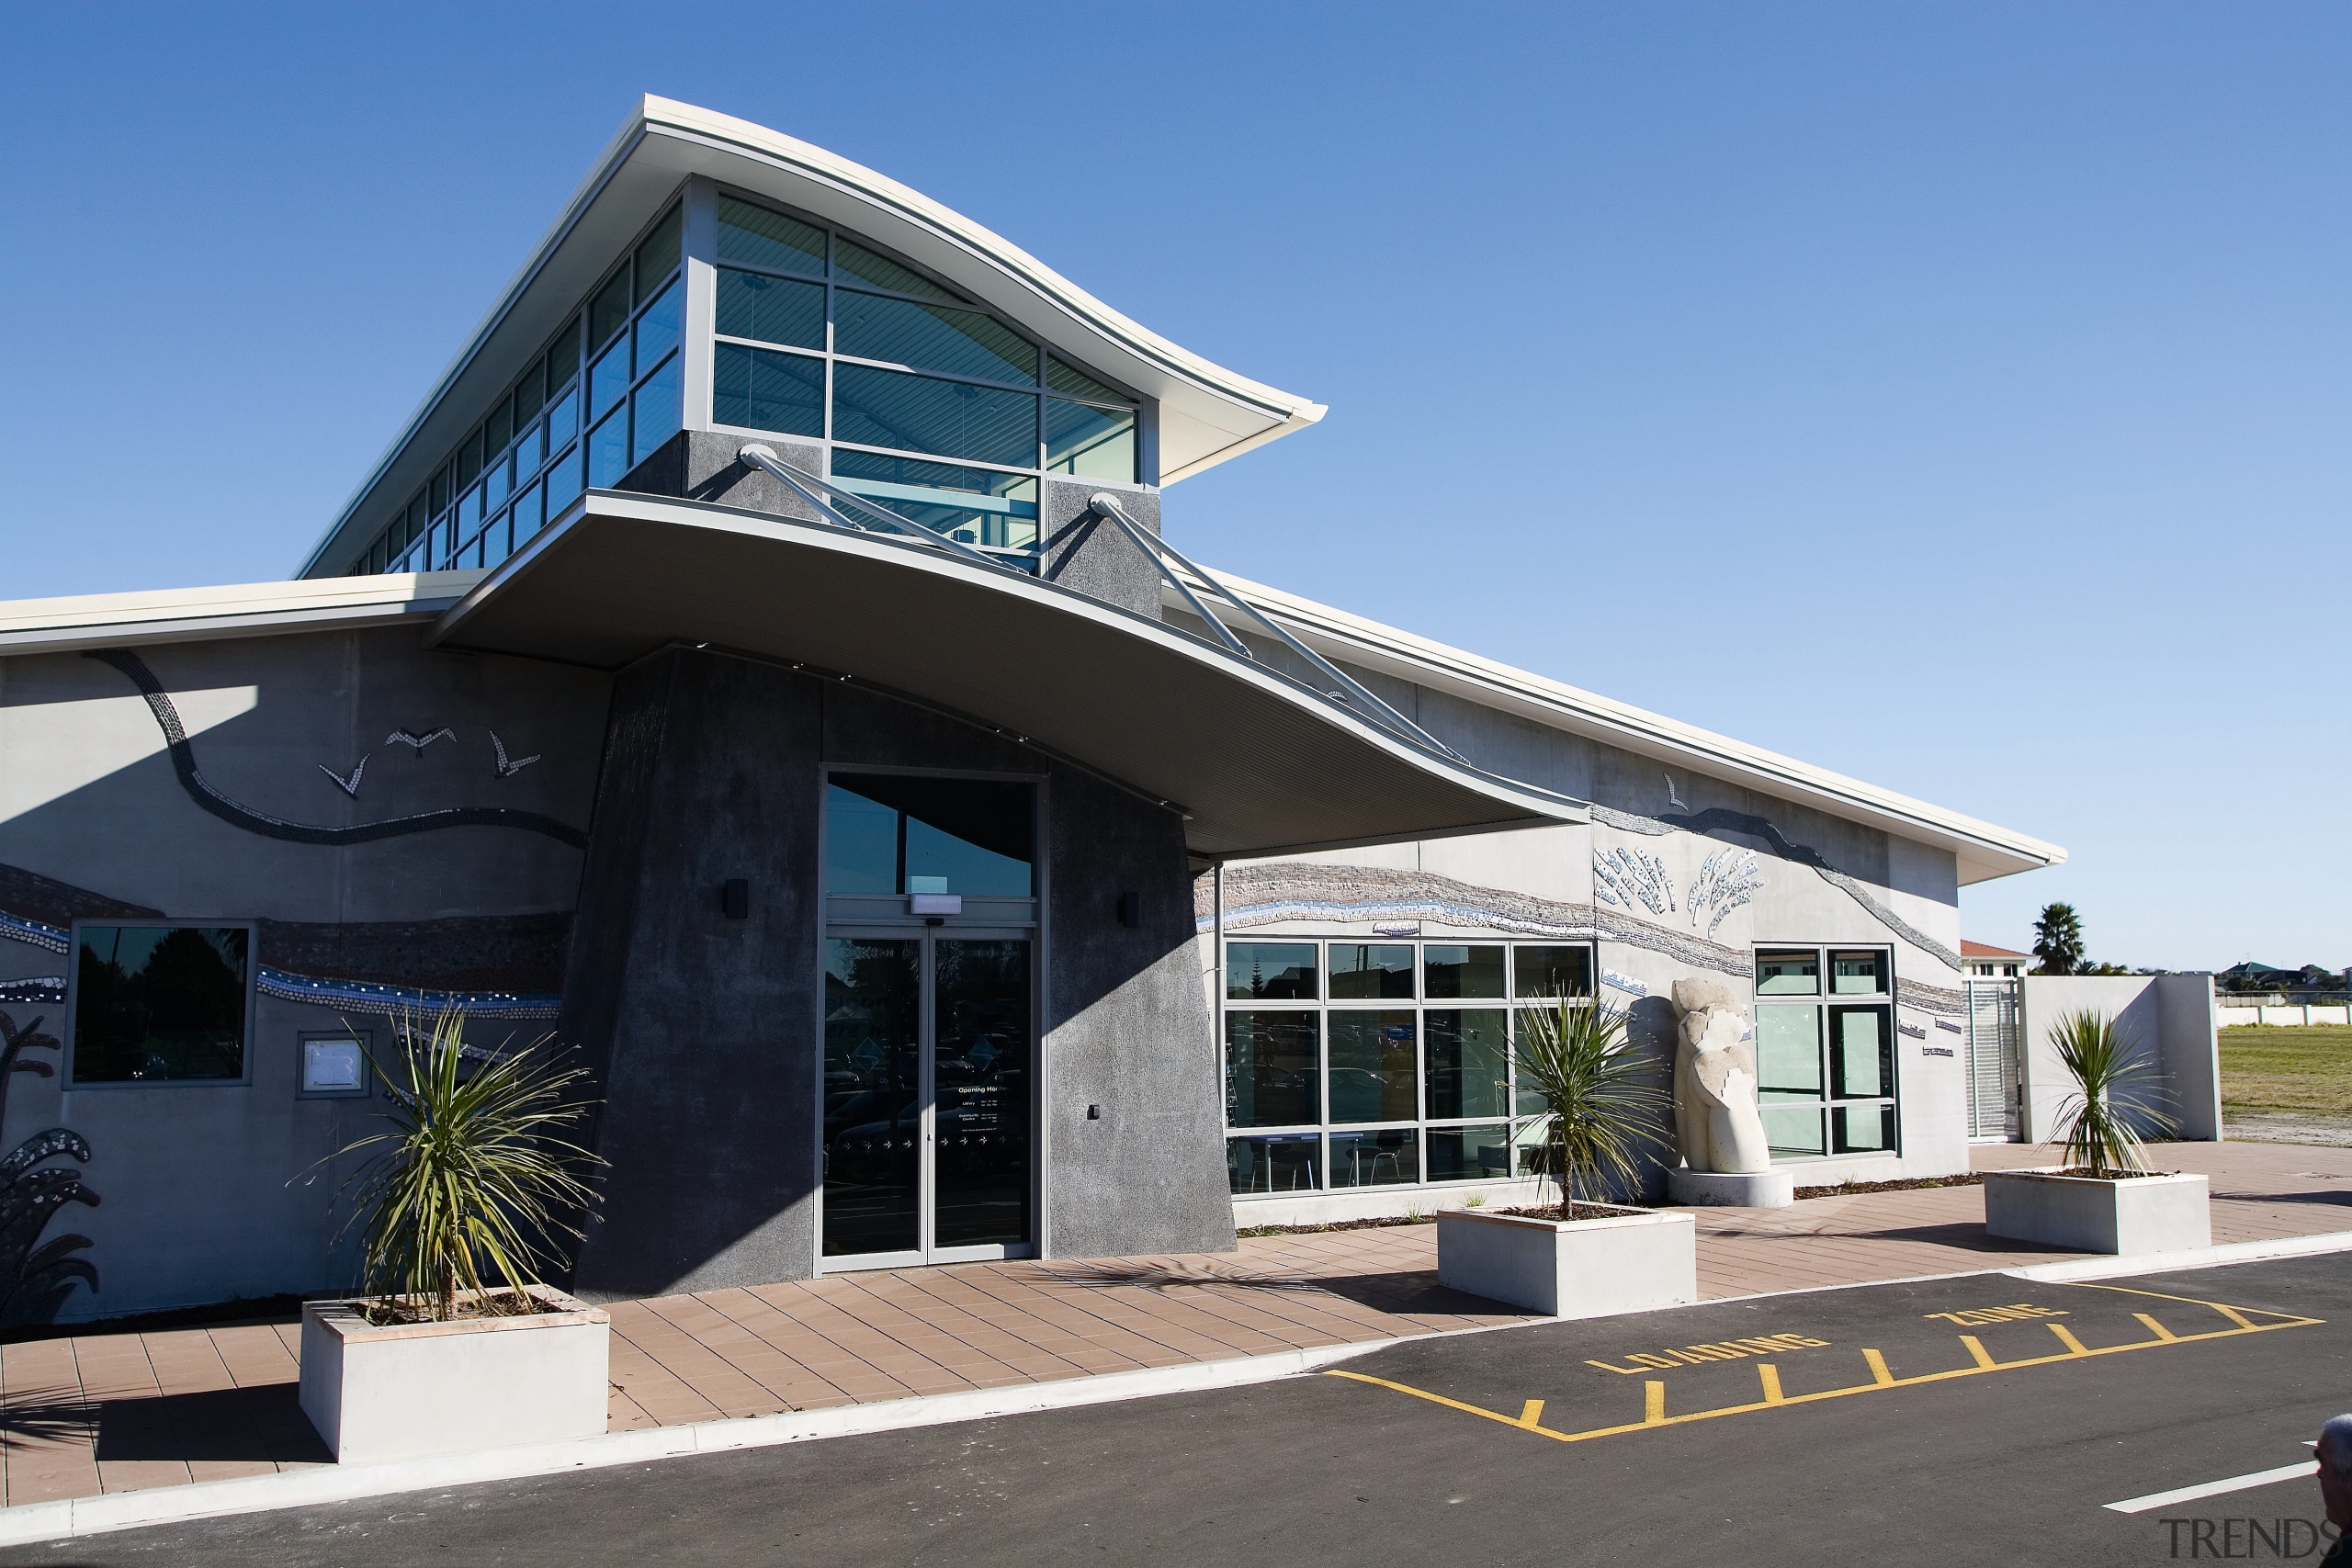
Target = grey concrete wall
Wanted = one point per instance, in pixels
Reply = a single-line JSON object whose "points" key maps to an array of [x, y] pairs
{"points": [[703, 1030], [699, 1027], [1084, 552], [1130, 1034], [209, 1190]]}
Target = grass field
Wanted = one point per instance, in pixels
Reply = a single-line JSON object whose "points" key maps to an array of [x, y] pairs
{"points": [[2305, 1069]]}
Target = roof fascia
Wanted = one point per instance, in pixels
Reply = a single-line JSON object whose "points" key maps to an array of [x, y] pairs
{"points": [[1980, 847], [252, 609]]}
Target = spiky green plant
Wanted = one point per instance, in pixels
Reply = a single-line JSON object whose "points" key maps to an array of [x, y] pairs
{"points": [[1605, 1106], [2099, 1123], [476, 1178]]}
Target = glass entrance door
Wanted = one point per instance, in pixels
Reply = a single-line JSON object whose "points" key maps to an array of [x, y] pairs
{"points": [[929, 1041]]}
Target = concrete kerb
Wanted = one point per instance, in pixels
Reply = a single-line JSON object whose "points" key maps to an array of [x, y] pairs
{"points": [[30, 1522]]}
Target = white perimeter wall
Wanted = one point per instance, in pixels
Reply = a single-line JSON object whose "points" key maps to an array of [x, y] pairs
{"points": [[2170, 1021]]}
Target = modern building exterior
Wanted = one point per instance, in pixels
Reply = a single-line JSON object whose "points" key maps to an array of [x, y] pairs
{"points": [[759, 663]]}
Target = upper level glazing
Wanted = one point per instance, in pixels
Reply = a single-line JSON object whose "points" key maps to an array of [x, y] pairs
{"points": [[917, 396]]}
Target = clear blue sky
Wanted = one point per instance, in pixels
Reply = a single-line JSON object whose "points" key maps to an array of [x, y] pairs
{"points": [[1955, 396]]}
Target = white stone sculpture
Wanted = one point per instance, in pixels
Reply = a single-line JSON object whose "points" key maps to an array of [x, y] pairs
{"points": [[1714, 1082]]}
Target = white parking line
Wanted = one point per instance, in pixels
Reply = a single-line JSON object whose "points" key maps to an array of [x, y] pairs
{"points": [[2300, 1470]]}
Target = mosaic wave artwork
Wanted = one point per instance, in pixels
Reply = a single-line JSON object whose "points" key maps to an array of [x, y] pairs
{"points": [[1301, 890], [238, 815]]}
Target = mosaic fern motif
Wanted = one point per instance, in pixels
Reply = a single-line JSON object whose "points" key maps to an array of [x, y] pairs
{"points": [[1727, 880], [1625, 876], [36, 1276]]}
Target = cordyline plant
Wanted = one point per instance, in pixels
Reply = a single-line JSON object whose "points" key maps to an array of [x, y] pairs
{"points": [[475, 1175], [1605, 1109], [2099, 1124]]}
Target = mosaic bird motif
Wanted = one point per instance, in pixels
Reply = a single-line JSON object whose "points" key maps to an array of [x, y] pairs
{"points": [[417, 743], [349, 786], [507, 770]]}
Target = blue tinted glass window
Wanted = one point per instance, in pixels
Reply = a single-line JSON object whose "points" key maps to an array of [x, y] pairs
{"points": [[975, 837], [608, 451], [782, 393], [608, 379], [529, 450], [861, 843], [657, 411], [564, 418], [931, 337], [915, 413], [531, 391], [914, 471], [772, 309], [529, 513], [610, 311], [158, 1003], [753, 234], [657, 330], [1078, 384], [1092, 443], [497, 482], [855, 260], [658, 257], [563, 482]]}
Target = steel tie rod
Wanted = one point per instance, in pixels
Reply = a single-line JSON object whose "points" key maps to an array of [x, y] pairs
{"points": [[807, 485], [1105, 504]]}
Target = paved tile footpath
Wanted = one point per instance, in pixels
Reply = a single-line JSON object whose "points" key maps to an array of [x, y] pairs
{"points": [[117, 1412]]}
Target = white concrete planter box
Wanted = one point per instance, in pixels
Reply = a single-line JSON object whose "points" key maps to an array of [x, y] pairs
{"points": [[405, 1390], [2082, 1214], [1629, 1260]]}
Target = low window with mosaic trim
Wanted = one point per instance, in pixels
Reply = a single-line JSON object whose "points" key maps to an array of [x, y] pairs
{"points": [[1824, 1050], [1354, 1063], [160, 1003]]}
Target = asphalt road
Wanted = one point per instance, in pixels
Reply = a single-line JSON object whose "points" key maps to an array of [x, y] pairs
{"points": [[1691, 1461]]}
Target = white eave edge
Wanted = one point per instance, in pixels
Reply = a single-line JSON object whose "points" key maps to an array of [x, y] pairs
{"points": [[249, 609], [657, 115], [1338, 636]]}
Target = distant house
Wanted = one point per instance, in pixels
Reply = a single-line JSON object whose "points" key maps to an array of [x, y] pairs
{"points": [[2253, 976], [1978, 958]]}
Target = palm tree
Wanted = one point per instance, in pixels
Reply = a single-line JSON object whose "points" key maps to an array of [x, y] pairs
{"points": [[2058, 941], [475, 1176], [2099, 1124], [1605, 1106]]}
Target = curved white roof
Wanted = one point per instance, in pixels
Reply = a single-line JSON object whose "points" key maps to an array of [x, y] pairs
{"points": [[1208, 414]]}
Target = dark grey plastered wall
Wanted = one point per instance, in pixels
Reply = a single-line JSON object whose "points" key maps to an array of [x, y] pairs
{"points": [[703, 1030]]}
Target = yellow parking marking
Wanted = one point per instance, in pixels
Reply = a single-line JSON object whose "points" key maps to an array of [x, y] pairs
{"points": [[1881, 1377], [1976, 1315]]}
